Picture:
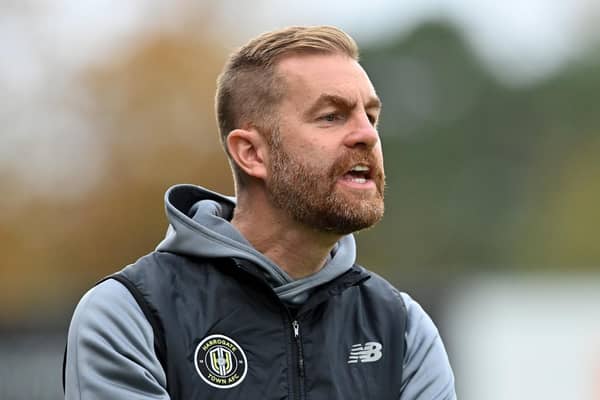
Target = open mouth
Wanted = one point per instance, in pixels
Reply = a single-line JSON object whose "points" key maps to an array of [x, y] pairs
{"points": [[359, 174]]}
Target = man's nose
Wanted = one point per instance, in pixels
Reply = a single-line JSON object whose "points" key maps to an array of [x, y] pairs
{"points": [[363, 133]]}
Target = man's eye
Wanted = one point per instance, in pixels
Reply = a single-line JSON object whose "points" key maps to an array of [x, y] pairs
{"points": [[331, 117]]}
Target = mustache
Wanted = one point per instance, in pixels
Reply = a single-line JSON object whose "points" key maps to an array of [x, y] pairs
{"points": [[349, 159]]}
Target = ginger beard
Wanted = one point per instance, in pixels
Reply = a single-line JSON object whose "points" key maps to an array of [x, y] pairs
{"points": [[310, 192]]}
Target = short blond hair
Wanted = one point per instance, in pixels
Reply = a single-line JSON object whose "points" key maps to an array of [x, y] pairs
{"points": [[248, 89]]}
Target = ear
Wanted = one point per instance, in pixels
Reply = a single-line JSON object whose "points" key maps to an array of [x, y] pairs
{"points": [[248, 149]]}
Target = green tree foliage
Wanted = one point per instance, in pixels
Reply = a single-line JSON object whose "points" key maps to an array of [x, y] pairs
{"points": [[481, 176]]}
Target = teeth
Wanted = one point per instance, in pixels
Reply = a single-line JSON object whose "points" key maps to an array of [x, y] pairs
{"points": [[359, 180], [360, 168]]}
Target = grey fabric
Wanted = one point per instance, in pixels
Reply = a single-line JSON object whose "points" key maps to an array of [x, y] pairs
{"points": [[341, 259], [427, 373], [204, 230], [110, 352]]}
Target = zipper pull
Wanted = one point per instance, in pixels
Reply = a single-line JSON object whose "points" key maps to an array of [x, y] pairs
{"points": [[296, 327]]}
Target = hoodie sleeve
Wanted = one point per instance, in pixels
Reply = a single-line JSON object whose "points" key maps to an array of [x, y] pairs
{"points": [[427, 374], [110, 351]]}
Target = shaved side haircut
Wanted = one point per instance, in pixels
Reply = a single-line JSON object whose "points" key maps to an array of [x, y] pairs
{"points": [[249, 89]]}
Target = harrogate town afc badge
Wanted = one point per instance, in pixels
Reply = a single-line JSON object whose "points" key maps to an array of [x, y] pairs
{"points": [[220, 361]]}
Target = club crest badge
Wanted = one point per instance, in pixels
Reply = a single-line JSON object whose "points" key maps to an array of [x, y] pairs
{"points": [[220, 361]]}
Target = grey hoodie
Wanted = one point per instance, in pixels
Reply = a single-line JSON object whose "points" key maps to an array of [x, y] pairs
{"points": [[110, 353], [199, 226]]}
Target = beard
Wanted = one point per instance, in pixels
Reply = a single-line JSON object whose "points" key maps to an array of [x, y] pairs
{"points": [[309, 191]]}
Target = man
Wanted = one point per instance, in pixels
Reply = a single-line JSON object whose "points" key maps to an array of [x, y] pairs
{"points": [[259, 297]]}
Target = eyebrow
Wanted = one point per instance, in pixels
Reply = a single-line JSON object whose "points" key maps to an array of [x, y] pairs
{"points": [[327, 99]]}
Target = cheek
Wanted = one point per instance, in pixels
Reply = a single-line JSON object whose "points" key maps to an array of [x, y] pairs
{"points": [[315, 153]]}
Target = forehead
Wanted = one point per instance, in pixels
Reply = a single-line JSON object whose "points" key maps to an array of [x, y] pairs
{"points": [[307, 76]]}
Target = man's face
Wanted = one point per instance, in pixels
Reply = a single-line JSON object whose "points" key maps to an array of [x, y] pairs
{"points": [[326, 163]]}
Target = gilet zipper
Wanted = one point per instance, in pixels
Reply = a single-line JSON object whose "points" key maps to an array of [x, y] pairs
{"points": [[299, 358]]}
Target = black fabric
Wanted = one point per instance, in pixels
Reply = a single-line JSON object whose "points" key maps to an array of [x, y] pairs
{"points": [[192, 298], [64, 368]]}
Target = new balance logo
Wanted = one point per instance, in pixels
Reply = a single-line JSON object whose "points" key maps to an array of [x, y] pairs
{"points": [[369, 352]]}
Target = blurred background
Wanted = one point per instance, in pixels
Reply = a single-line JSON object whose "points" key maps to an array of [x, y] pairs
{"points": [[491, 136]]}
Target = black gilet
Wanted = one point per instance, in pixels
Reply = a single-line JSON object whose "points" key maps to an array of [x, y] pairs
{"points": [[221, 332]]}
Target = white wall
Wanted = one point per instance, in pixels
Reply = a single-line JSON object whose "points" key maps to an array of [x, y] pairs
{"points": [[525, 338]]}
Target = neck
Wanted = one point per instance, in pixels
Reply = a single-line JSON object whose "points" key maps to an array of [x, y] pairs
{"points": [[296, 248]]}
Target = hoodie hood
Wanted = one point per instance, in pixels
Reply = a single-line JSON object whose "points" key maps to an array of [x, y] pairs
{"points": [[199, 225]]}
